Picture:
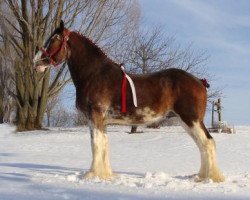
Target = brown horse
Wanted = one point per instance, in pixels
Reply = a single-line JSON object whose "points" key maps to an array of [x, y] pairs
{"points": [[98, 83]]}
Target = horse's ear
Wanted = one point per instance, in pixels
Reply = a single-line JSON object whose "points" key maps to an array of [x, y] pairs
{"points": [[61, 26]]}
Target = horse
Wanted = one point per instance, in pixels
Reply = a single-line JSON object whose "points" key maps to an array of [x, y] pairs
{"points": [[98, 82]]}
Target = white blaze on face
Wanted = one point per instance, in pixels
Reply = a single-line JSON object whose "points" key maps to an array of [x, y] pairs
{"points": [[37, 58]]}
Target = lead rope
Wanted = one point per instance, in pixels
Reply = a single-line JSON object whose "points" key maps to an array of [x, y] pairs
{"points": [[124, 90]]}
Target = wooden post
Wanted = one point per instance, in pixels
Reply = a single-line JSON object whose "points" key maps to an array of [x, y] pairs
{"points": [[212, 123], [219, 109]]}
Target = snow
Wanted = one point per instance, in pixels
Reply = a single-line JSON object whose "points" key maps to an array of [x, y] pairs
{"points": [[158, 164]]}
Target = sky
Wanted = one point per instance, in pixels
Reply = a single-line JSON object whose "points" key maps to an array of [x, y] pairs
{"points": [[222, 29]]}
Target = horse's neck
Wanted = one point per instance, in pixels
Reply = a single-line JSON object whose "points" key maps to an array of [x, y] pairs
{"points": [[85, 60]]}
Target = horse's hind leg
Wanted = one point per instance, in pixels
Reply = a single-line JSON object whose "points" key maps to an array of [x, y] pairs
{"points": [[100, 166], [206, 145]]}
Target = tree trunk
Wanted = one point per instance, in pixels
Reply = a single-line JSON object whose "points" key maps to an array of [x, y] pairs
{"points": [[1, 115], [48, 119], [32, 99], [25, 121], [1, 105]]}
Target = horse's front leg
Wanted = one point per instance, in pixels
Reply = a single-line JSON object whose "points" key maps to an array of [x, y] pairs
{"points": [[100, 166]]}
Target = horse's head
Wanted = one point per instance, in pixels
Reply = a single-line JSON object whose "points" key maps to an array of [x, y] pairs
{"points": [[55, 51]]}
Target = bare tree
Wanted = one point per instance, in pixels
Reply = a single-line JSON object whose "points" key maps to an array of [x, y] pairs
{"points": [[26, 24], [154, 50], [7, 105], [2, 91], [80, 119], [1, 104], [58, 115], [63, 118], [51, 105]]}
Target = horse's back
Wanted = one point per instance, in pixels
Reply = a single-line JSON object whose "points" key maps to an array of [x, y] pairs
{"points": [[173, 83]]}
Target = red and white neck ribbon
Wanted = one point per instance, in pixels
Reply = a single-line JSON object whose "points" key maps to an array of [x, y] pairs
{"points": [[124, 90]]}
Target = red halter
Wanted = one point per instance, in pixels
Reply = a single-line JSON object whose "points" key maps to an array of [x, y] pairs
{"points": [[53, 52]]}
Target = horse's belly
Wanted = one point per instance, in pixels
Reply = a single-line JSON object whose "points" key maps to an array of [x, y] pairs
{"points": [[128, 121], [140, 116]]}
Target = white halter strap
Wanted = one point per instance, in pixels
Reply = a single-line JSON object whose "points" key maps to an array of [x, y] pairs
{"points": [[131, 83]]}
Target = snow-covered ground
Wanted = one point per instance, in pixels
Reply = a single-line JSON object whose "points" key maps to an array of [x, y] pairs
{"points": [[155, 165]]}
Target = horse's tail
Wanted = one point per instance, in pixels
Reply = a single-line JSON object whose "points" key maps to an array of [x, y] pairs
{"points": [[205, 83]]}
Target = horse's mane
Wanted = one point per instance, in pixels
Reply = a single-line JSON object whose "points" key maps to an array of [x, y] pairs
{"points": [[97, 48]]}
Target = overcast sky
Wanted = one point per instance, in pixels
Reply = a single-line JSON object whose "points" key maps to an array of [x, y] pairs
{"points": [[222, 28]]}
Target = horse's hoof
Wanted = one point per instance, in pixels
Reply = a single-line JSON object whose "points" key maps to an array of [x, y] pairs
{"points": [[198, 179], [102, 176], [89, 175], [217, 178]]}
